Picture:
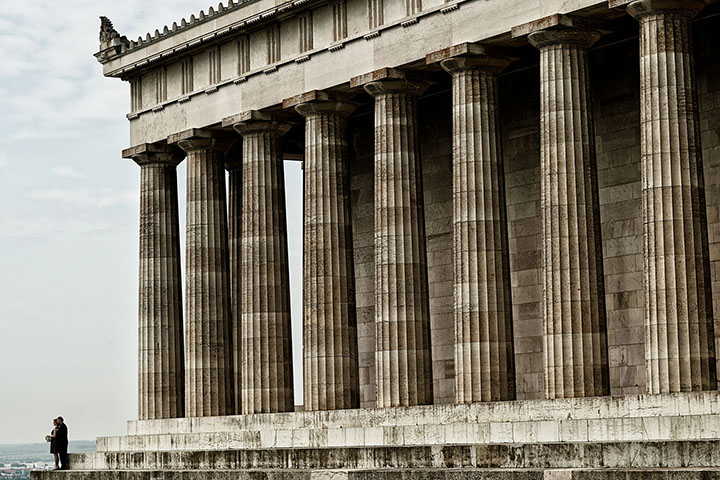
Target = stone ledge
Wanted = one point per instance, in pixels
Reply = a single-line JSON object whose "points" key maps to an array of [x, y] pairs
{"points": [[669, 454], [630, 429], [588, 408], [424, 474]]}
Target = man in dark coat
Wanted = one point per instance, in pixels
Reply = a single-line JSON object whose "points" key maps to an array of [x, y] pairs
{"points": [[61, 443]]}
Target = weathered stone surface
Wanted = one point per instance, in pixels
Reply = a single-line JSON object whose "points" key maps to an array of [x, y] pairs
{"points": [[574, 296], [403, 359], [329, 321], [266, 335], [625, 406], [234, 166], [680, 346], [484, 356], [363, 226], [616, 84], [398, 474], [520, 125], [161, 369], [209, 388], [667, 454]]}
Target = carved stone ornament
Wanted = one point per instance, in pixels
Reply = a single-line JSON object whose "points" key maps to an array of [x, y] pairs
{"points": [[107, 31]]}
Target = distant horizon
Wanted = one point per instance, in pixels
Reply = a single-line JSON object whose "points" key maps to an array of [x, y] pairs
{"points": [[41, 443]]}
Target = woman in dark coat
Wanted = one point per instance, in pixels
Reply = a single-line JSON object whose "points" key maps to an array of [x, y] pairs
{"points": [[52, 442]]}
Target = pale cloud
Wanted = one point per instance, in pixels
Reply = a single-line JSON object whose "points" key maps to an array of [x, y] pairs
{"points": [[85, 197], [63, 93], [76, 247], [66, 171], [44, 227]]}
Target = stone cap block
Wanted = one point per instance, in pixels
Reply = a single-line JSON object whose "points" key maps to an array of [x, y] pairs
{"points": [[256, 121], [154, 153], [639, 8], [189, 134], [560, 20], [248, 116], [467, 49], [317, 101], [198, 138], [311, 96], [144, 148], [385, 73], [618, 3]]}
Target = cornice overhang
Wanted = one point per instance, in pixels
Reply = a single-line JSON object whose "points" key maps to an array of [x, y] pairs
{"points": [[110, 54]]}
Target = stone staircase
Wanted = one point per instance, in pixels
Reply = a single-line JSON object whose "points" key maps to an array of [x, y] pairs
{"points": [[675, 436]]}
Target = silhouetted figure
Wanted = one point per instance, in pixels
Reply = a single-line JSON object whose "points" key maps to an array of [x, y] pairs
{"points": [[61, 443], [53, 443]]}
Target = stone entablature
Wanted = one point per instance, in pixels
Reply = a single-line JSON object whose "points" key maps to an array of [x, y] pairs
{"points": [[252, 83]]}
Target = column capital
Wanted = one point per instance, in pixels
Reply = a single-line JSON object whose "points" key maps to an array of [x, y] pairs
{"points": [[319, 102], [329, 107], [470, 56], [254, 121], [475, 62], [201, 139], [640, 8], [564, 36], [154, 153], [389, 80]]}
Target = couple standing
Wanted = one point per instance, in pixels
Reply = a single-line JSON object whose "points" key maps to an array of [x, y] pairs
{"points": [[59, 443]]}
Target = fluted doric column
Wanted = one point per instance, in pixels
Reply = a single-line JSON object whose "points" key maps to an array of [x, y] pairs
{"points": [[161, 373], [484, 356], [266, 334], [403, 356], [574, 296], [233, 164], [680, 343], [209, 389], [330, 350]]}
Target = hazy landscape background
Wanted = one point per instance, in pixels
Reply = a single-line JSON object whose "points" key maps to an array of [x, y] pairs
{"points": [[68, 220]]}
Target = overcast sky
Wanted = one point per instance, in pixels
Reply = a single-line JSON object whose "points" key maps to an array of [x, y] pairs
{"points": [[68, 219]]}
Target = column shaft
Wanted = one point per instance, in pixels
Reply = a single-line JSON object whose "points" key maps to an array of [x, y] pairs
{"points": [[680, 343], [329, 322], [484, 356], [403, 355], [209, 385], [574, 298], [161, 374], [266, 334]]}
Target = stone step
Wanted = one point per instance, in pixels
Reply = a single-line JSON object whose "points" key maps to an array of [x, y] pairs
{"points": [[585, 409], [669, 454], [395, 474], [441, 431]]}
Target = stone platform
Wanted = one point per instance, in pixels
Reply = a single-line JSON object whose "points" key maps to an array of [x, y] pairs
{"points": [[644, 436], [683, 416], [669, 454], [424, 474]]}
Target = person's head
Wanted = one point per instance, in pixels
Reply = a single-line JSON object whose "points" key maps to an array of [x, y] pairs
{"points": [[55, 422], [59, 420]]}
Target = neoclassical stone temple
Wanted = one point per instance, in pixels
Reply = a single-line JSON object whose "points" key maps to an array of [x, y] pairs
{"points": [[511, 241]]}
